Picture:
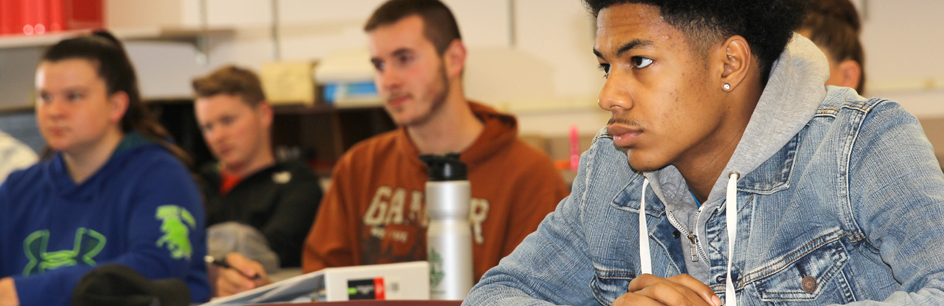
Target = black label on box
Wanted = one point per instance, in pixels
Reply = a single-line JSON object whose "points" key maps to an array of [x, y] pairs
{"points": [[366, 289]]}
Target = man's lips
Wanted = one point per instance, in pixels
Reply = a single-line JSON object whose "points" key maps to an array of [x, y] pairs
{"points": [[224, 150], [623, 136], [397, 100], [57, 131]]}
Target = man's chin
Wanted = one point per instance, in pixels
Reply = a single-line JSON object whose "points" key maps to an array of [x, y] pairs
{"points": [[644, 165], [231, 163], [399, 116], [410, 120], [402, 121]]}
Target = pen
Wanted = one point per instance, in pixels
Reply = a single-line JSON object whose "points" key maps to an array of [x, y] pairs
{"points": [[222, 263]]}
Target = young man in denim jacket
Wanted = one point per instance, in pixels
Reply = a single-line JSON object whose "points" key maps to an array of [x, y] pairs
{"points": [[758, 186]]}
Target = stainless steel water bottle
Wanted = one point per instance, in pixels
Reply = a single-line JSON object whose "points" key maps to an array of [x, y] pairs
{"points": [[448, 236]]}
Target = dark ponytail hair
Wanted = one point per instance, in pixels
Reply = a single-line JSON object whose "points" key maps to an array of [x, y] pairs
{"points": [[114, 67], [835, 25]]}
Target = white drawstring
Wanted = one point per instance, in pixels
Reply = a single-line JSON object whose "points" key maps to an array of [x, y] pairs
{"points": [[731, 216], [645, 259]]}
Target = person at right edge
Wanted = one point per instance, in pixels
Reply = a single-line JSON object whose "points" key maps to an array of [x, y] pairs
{"points": [[729, 172], [374, 212]]}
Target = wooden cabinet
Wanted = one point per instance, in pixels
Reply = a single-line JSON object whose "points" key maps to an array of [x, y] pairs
{"points": [[319, 134], [322, 133]]}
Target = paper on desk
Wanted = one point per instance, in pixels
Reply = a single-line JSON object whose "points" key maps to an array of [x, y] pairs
{"points": [[400, 281], [279, 292]]}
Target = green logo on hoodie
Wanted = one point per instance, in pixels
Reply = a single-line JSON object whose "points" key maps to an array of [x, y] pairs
{"points": [[88, 243], [176, 230]]}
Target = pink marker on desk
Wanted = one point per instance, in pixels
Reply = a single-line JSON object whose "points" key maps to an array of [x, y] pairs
{"points": [[574, 148]]}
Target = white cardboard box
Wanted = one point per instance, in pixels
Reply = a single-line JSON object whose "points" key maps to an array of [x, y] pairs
{"points": [[399, 281]]}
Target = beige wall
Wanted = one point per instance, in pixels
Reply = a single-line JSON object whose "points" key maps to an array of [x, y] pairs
{"points": [[538, 66]]}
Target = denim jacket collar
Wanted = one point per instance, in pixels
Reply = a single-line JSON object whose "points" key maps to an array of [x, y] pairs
{"points": [[774, 174], [771, 176]]}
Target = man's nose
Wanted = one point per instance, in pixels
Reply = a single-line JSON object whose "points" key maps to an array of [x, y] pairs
{"points": [[54, 108], [389, 79], [615, 95], [214, 135]]}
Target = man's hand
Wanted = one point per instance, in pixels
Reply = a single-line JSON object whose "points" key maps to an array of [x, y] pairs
{"points": [[8, 293], [239, 278], [682, 289]]}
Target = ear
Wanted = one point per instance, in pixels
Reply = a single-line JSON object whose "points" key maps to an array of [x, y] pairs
{"points": [[851, 73], [737, 61], [264, 111], [454, 58], [119, 106]]}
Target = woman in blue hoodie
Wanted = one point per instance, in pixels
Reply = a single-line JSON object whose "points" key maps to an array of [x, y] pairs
{"points": [[110, 190]]}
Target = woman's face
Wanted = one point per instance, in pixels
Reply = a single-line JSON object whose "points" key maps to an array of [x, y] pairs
{"points": [[73, 107]]}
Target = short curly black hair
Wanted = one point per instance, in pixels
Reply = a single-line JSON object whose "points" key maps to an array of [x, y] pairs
{"points": [[767, 25]]}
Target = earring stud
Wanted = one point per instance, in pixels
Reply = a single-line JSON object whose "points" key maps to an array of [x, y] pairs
{"points": [[726, 86]]}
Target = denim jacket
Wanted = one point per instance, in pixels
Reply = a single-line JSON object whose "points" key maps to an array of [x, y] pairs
{"points": [[848, 210]]}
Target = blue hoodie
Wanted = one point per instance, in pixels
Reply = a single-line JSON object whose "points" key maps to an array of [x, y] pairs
{"points": [[141, 209]]}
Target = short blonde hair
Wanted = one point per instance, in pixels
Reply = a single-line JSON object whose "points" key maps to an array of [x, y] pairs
{"points": [[231, 80]]}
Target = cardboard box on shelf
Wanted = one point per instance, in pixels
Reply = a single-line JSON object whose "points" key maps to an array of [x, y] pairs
{"points": [[289, 82]]}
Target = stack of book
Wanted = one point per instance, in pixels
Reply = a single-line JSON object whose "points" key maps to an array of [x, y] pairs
{"points": [[37, 17]]}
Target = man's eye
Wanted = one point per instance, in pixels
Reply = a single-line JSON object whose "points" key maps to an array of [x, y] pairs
{"points": [[405, 59], [606, 70], [641, 62], [378, 65]]}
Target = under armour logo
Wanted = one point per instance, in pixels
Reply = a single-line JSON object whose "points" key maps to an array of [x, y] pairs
{"points": [[88, 243]]}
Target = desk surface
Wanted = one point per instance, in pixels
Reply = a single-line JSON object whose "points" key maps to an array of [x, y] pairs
{"points": [[377, 303]]}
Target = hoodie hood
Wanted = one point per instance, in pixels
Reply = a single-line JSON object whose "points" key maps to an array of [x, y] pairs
{"points": [[498, 132], [789, 101], [57, 173]]}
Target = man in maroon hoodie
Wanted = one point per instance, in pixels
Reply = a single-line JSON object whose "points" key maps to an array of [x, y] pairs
{"points": [[374, 211]]}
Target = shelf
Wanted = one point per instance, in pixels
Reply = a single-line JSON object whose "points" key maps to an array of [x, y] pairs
{"points": [[197, 37], [190, 35], [16, 109], [278, 108], [321, 133], [304, 109]]}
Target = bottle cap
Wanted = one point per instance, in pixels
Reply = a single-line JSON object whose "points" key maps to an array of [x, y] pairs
{"points": [[445, 167]]}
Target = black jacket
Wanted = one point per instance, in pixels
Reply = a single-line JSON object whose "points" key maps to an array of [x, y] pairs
{"points": [[280, 201]]}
